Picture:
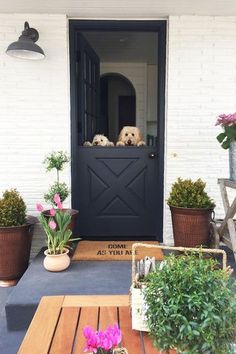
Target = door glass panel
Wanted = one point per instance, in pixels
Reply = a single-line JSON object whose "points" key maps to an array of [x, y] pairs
{"points": [[151, 122]]}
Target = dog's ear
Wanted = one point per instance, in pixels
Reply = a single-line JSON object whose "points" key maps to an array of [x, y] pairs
{"points": [[139, 135]]}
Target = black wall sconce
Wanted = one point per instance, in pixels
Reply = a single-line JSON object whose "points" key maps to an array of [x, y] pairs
{"points": [[25, 47]]}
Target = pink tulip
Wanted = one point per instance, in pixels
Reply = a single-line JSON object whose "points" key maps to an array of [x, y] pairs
{"points": [[57, 198], [52, 224], [60, 206], [52, 212], [39, 207]]}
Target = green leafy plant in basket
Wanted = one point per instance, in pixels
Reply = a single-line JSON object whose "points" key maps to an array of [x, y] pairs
{"points": [[56, 160], [191, 306]]}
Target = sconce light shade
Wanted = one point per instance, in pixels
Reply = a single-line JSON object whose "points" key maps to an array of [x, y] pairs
{"points": [[25, 47]]}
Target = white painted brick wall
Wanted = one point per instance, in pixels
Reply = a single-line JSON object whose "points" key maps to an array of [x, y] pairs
{"points": [[34, 108], [201, 85], [34, 103]]}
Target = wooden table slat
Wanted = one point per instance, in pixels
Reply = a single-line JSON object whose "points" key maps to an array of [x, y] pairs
{"points": [[65, 331], [40, 332], [95, 300], [130, 339], [57, 329], [107, 317], [88, 317]]}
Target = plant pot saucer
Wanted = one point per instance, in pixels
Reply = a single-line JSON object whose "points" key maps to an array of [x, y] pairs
{"points": [[8, 283]]}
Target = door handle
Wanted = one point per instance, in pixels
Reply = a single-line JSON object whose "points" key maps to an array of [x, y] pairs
{"points": [[152, 155]]}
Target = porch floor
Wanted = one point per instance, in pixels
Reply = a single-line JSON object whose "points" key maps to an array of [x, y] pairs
{"points": [[88, 278]]}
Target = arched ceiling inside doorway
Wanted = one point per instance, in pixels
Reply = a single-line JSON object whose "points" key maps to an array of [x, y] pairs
{"points": [[138, 47]]}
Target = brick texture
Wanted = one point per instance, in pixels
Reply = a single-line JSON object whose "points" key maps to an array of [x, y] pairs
{"points": [[34, 104], [34, 108], [201, 84]]}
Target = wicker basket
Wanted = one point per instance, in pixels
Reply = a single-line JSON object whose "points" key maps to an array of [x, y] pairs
{"points": [[136, 299]]}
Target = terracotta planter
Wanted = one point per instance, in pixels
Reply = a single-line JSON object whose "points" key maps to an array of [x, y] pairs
{"points": [[56, 262], [15, 246], [191, 227], [74, 215]]}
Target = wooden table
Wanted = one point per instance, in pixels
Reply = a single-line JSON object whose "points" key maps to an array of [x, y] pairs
{"points": [[57, 326], [226, 232]]}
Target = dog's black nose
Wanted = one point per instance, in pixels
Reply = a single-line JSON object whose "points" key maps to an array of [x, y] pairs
{"points": [[129, 142], [96, 143]]}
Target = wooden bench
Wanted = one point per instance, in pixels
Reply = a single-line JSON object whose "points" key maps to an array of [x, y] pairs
{"points": [[57, 326]]}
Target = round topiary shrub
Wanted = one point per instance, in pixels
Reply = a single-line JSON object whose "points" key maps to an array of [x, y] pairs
{"points": [[191, 306], [60, 188], [56, 160], [12, 209], [189, 194]]}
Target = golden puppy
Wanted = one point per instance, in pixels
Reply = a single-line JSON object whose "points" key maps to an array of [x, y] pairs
{"points": [[99, 140], [130, 136]]}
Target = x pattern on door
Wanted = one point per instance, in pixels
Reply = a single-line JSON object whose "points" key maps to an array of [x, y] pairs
{"points": [[118, 193]]}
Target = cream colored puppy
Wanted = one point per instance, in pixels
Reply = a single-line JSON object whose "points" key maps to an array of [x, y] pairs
{"points": [[99, 140], [130, 136]]}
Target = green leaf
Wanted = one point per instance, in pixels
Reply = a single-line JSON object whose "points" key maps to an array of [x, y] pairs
{"points": [[230, 132], [208, 327], [221, 137], [226, 144]]}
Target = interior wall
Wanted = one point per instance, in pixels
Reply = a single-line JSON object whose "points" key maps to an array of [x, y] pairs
{"points": [[116, 88], [136, 73], [152, 100]]}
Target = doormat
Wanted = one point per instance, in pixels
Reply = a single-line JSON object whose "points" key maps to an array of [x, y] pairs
{"points": [[113, 251]]}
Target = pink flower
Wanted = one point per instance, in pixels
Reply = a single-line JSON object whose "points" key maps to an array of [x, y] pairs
{"points": [[103, 340], [60, 206], [57, 198], [226, 120], [39, 207], [52, 224], [52, 212], [115, 334], [92, 340]]}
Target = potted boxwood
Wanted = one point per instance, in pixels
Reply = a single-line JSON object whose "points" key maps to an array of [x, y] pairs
{"points": [[191, 210], [57, 160], [191, 306], [16, 232]]}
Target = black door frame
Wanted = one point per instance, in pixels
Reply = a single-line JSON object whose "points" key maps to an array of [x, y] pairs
{"points": [[158, 26]]}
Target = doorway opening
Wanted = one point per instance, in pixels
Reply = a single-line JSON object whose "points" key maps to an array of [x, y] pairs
{"points": [[117, 104], [118, 78]]}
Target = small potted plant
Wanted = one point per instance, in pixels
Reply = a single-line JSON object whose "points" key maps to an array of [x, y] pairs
{"points": [[191, 306], [58, 235], [227, 139], [103, 341], [57, 160], [16, 231], [191, 210]]}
